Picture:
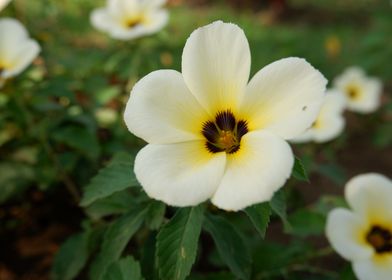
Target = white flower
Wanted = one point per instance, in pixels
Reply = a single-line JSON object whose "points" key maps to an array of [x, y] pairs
{"points": [[364, 235], [330, 121], [211, 134], [17, 50], [129, 19], [4, 3], [362, 92]]}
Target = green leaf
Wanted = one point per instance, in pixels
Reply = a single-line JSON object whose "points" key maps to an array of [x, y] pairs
{"points": [[115, 239], [116, 176], [231, 247], [14, 179], [305, 222], [333, 172], [72, 257], [278, 205], [177, 243], [124, 269], [299, 171], [259, 214], [155, 214], [117, 203], [79, 138]]}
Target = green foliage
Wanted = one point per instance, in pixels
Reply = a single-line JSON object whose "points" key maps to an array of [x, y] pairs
{"points": [[231, 247], [71, 257], [299, 171], [116, 176], [306, 222], [14, 179], [79, 138], [177, 243], [259, 214], [155, 214], [124, 269], [114, 241], [278, 204]]}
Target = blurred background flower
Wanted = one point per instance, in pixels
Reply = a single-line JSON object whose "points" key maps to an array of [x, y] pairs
{"points": [[330, 121], [364, 235], [129, 19], [17, 50], [363, 93]]}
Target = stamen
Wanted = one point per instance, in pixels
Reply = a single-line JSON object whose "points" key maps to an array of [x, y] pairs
{"points": [[380, 239], [224, 135]]}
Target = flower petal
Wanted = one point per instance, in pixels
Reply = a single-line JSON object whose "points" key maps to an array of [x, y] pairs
{"points": [[102, 20], [155, 20], [330, 121], [284, 97], [370, 195], [22, 57], [182, 174], [371, 269], [161, 109], [216, 65], [12, 34], [345, 232], [4, 3], [261, 166], [153, 4]]}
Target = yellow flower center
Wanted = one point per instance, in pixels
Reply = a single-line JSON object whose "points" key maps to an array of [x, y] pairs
{"points": [[316, 124], [224, 133], [353, 92], [380, 239], [134, 21]]}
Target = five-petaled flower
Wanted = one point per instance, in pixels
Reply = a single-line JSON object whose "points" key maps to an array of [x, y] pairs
{"points": [[364, 235], [211, 134], [17, 50], [129, 19], [330, 121], [363, 93]]}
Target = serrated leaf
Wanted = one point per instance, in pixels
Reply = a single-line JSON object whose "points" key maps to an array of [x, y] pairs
{"points": [[231, 247], [115, 239], [259, 214], [278, 205], [72, 257], [124, 269], [177, 243], [299, 171], [116, 176]]}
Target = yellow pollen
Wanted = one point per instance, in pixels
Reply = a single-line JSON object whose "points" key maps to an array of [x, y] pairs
{"points": [[227, 139]]}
